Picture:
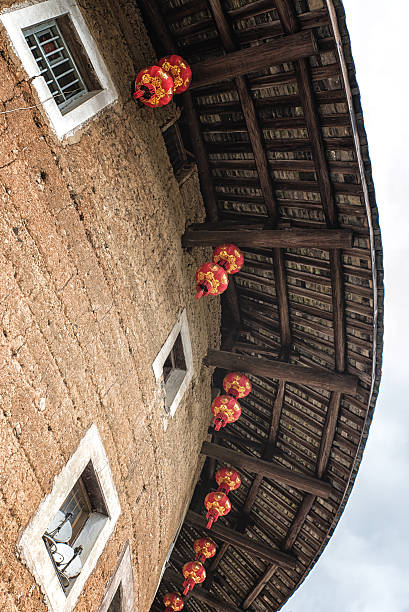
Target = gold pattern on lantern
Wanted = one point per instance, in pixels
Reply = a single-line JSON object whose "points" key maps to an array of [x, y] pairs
{"points": [[209, 276], [230, 257], [157, 83]]}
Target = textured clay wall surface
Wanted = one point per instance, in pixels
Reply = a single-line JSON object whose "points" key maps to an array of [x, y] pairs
{"points": [[92, 280]]}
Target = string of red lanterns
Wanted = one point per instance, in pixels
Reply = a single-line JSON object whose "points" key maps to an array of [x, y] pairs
{"points": [[155, 85], [217, 502], [193, 572], [212, 276], [225, 408]]}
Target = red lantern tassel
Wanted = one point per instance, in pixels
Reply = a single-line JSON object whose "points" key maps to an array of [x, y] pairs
{"points": [[144, 91], [224, 489], [188, 584], [218, 423], [212, 517]]}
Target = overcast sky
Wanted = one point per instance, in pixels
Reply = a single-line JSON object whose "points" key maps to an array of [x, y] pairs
{"points": [[365, 567]]}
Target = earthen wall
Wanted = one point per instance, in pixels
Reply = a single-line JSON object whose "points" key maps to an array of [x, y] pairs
{"points": [[92, 280]]}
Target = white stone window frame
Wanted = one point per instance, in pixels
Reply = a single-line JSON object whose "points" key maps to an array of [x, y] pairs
{"points": [[123, 578], [17, 20], [181, 327], [31, 547]]}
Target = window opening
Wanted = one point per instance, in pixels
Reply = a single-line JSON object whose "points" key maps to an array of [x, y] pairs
{"points": [[56, 63], [75, 527], [174, 370], [116, 603], [175, 360]]}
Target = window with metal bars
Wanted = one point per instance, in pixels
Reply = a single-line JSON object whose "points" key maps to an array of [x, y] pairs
{"points": [[62, 61], [75, 526]]}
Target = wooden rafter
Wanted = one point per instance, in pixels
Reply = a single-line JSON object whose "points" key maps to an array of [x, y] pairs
{"points": [[265, 238], [290, 24], [275, 472], [247, 60], [279, 370], [220, 532]]}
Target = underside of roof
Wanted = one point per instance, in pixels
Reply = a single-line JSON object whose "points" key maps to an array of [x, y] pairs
{"points": [[281, 148]]}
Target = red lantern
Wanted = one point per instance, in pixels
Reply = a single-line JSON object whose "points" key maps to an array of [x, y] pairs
{"points": [[217, 504], [211, 279], [204, 548], [225, 410], [154, 86], [236, 384], [228, 480], [173, 601], [194, 572], [179, 70], [229, 257]]}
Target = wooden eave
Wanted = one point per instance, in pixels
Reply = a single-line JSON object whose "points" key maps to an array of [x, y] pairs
{"points": [[282, 161]]}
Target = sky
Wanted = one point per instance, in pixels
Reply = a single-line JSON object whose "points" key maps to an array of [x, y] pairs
{"points": [[365, 567]]}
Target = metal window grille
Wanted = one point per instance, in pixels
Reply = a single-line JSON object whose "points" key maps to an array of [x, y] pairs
{"points": [[55, 62], [78, 504]]}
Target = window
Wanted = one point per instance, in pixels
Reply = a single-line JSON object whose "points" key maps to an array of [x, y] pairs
{"points": [[119, 594], [64, 539], [58, 52], [116, 603], [173, 367], [75, 527], [78, 506]]}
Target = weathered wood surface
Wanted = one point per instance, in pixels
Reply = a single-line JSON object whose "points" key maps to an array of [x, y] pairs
{"points": [[267, 469], [314, 377], [265, 238], [235, 538], [251, 59]]}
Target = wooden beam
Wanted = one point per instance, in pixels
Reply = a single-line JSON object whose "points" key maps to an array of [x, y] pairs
{"points": [[265, 238], [253, 58], [314, 377], [241, 541], [152, 12], [256, 590], [205, 175], [267, 469], [328, 432]]}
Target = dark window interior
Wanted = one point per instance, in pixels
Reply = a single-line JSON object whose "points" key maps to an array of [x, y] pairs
{"points": [[85, 497], [175, 359], [116, 603]]}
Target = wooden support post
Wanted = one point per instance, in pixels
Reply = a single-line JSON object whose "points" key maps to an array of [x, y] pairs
{"points": [[267, 469], [241, 541], [288, 48], [266, 238], [314, 377]]}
